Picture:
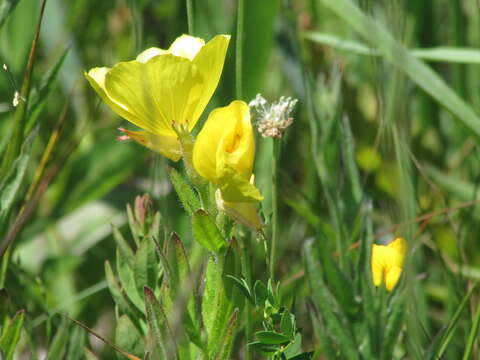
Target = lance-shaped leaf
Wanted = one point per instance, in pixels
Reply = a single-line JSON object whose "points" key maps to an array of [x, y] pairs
{"points": [[163, 344], [145, 268], [206, 232], [128, 338], [226, 347], [335, 326], [11, 334], [185, 193]]}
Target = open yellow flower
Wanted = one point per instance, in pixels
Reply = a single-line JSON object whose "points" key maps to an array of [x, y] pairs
{"points": [[223, 154], [387, 262], [162, 89]]}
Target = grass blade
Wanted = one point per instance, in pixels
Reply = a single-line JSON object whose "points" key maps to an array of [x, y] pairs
{"points": [[400, 57]]}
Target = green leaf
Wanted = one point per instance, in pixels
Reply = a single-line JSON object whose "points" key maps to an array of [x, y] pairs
{"points": [[220, 297], [128, 338], [337, 281], [227, 343], [260, 291], [440, 53], [6, 7], [75, 344], [38, 99], [400, 57], [236, 188], [123, 246], [163, 343], [271, 337], [10, 185], [436, 350], [393, 326], [58, 346], [337, 328], [287, 324], [472, 336], [186, 194], [257, 44], [127, 280], [11, 334], [120, 300], [206, 232], [242, 285], [145, 270]]}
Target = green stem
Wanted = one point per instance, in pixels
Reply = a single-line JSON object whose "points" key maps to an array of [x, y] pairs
{"points": [[239, 49], [247, 273], [190, 16], [273, 246]]}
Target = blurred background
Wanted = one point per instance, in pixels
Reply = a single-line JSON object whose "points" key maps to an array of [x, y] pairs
{"points": [[374, 133]]}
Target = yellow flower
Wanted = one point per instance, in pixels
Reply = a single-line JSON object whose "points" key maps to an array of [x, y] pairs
{"points": [[162, 89], [387, 262], [223, 154]]}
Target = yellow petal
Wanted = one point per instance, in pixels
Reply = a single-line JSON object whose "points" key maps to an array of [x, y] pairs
{"points": [[96, 78], [378, 263], [225, 142], [163, 90], [210, 60], [392, 276], [168, 146], [399, 247], [244, 213]]}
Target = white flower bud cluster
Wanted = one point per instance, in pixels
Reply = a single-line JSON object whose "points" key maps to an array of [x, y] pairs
{"points": [[272, 119]]}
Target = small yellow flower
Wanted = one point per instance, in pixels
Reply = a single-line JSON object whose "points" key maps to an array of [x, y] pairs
{"points": [[223, 154], [387, 262], [162, 89]]}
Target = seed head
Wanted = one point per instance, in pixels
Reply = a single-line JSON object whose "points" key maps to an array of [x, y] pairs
{"points": [[272, 119]]}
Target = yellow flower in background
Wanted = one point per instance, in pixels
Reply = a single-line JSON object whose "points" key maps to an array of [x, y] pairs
{"points": [[387, 262], [223, 154], [162, 89]]}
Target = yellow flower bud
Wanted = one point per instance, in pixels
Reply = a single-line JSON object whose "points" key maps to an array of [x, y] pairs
{"points": [[224, 152], [387, 262], [163, 88]]}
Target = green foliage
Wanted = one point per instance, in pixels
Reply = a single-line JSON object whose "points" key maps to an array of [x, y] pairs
{"points": [[384, 143]]}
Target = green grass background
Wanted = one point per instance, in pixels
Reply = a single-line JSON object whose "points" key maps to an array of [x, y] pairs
{"points": [[386, 129]]}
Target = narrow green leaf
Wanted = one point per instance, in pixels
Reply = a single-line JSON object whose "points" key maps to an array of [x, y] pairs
{"points": [[436, 351], [399, 56], [123, 246], [226, 347], [58, 346], [119, 298], [128, 338], [206, 232], [336, 328], [6, 7], [164, 344], [186, 194], [260, 291], [242, 285], [145, 268], [38, 99], [393, 326], [337, 281], [472, 336], [127, 280], [10, 185], [271, 337], [76, 344], [440, 53], [11, 335]]}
